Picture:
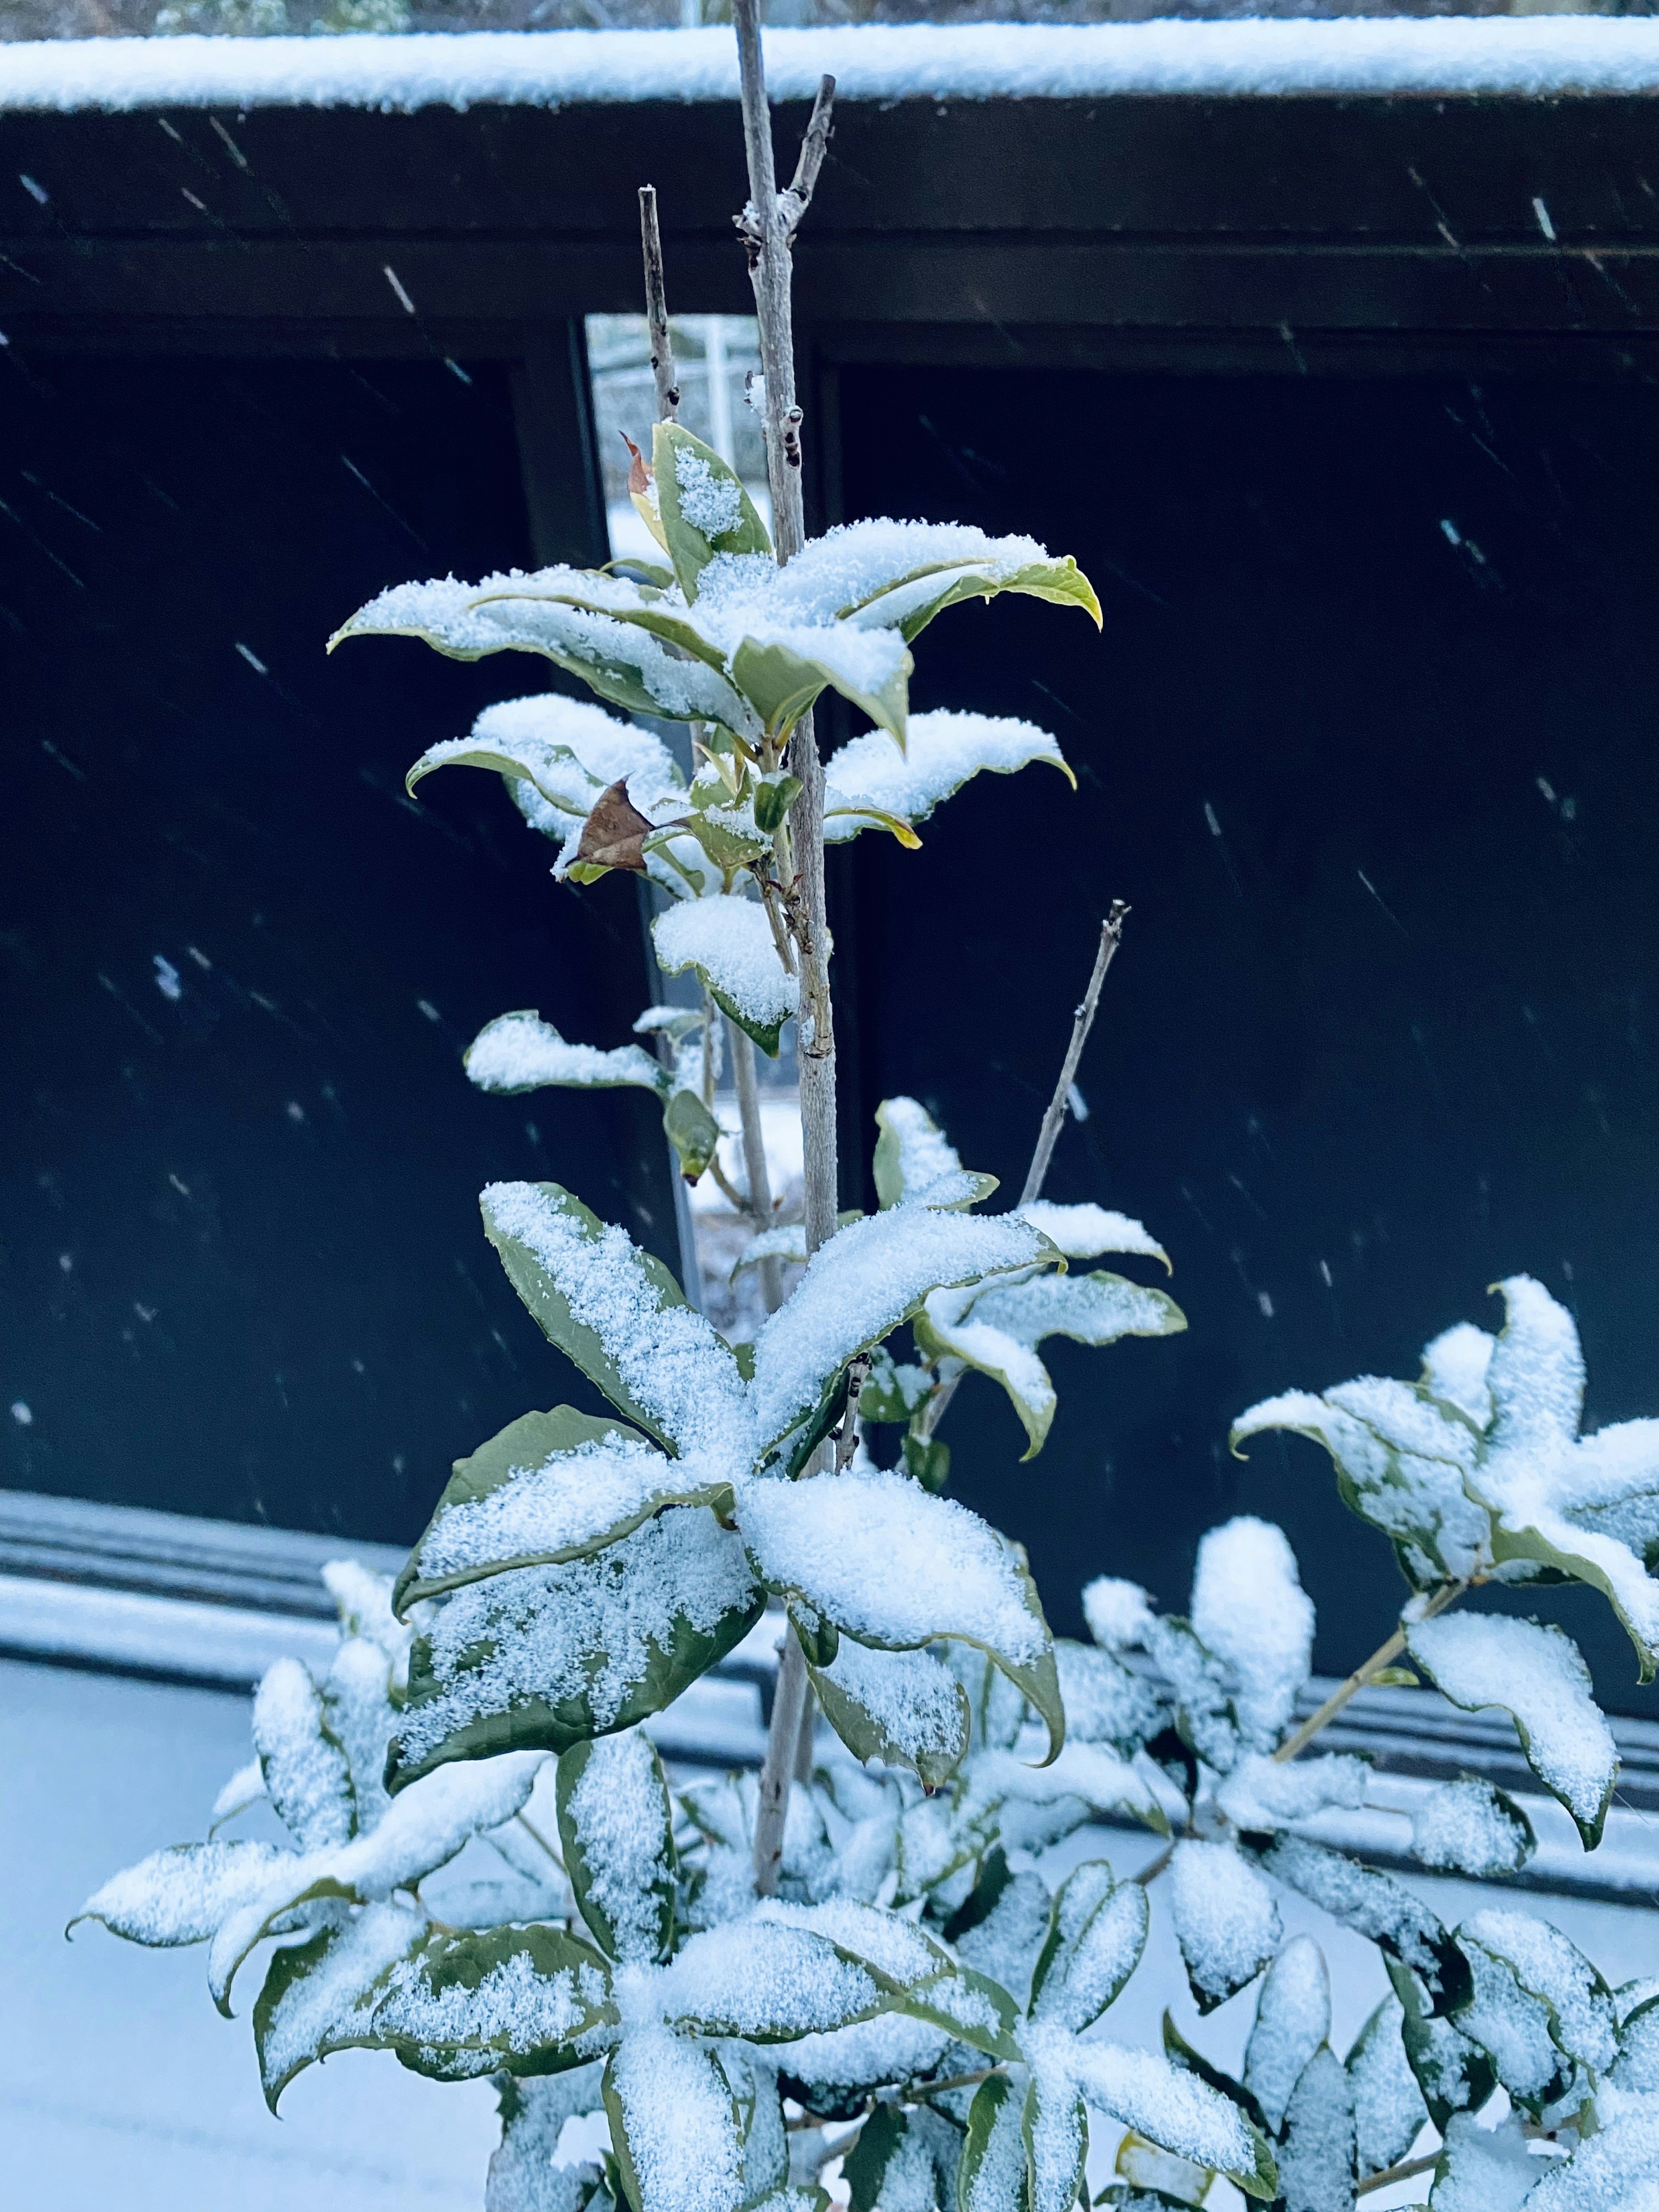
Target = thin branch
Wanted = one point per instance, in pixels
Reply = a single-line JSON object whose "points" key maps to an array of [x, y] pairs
{"points": [[1384, 1655], [1150, 1873], [778, 1769], [955, 2081], [535, 1833], [1083, 1020], [1403, 2172], [754, 1153], [807, 1741], [813, 148], [656, 308], [1111, 936]]}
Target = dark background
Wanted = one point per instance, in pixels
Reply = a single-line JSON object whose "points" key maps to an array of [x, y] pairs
{"points": [[242, 1271], [1395, 1024]]}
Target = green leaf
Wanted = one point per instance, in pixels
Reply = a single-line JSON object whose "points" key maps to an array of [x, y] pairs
{"points": [[693, 1131], [550, 1487], [1376, 1906], [1514, 2028], [902, 1707], [774, 797], [870, 782], [722, 518], [534, 2111], [892, 1393], [615, 1827], [1472, 1826], [1176, 2110], [1106, 1702], [674, 2124], [885, 2144], [781, 683], [1484, 2169], [919, 1976], [308, 1774], [618, 1313], [547, 1657], [1388, 2106], [520, 1052], [928, 590], [1316, 2158], [726, 835], [926, 1461], [531, 2000], [1583, 2018], [1157, 2178], [611, 632], [895, 1569], [754, 2085], [726, 941], [1096, 1933], [915, 1160], [995, 2173], [1537, 1675], [1181, 2053], [767, 1980], [318, 1996], [1454, 2075], [1401, 1459], [997, 1329]]}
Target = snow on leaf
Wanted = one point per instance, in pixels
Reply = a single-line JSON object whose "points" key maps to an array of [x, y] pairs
{"points": [[548, 1655], [1547, 1966], [470, 2001], [1586, 1506], [1096, 1932], [1105, 1701], [422, 1831], [869, 778], [307, 1777], [520, 1052], [891, 2165], [1614, 2168], [1172, 2108], [703, 506], [1488, 2169], [1204, 1707], [549, 1488], [903, 1707], [364, 1602], [673, 2124], [1056, 2128], [615, 1829], [996, 1327], [564, 750], [1316, 2159], [619, 1314], [1536, 1674], [915, 1161], [894, 1567], [1119, 1613], [1261, 1793], [868, 1279], [1376, 1906], [1084, 1232], [1513, 2026], [766, 1980], [835, 2070], [523, 2175], [1250, 1609], [727, 941], [920, 1975], [994, 2175], [597, 628], [1472, 1826], [786, 1242], [1388, 2104], [1453, 2074], [1292, 2019], [1455, 1371], [245, 1787], [357, 1700], [1225, 1920], [1401, 1461], [1636, 2067], [1012, 1930], [318, 1996], [181, 1895]]}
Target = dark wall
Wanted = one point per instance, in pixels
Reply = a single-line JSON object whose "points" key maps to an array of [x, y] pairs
{"points": [[1369, 744], [243, 1273]]}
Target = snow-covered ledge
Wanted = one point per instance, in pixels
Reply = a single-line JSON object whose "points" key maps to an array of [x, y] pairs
{"points": [[1537, 56]]}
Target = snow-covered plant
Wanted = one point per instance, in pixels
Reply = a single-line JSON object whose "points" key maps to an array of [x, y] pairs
{"points": [[865, 1954]]}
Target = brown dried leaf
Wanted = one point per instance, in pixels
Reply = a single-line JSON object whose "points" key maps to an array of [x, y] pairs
{"points": [[639, 473], [612, 833]]}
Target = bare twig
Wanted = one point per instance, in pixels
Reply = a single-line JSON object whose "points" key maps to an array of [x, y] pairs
{"points": [[766, 228], [1403, 2172], [957, 2081], [1111, 936], [1150, 1873], [847, 1438], [656, 308], [807, 1741], [1384, 1655], [1083, 1020], [754, 1154]]}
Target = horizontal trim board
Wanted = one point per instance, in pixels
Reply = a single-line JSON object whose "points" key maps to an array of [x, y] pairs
{"points": [[1444, 55]]}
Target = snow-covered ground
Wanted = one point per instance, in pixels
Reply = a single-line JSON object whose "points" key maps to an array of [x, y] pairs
{"points": [[120, 2085]]}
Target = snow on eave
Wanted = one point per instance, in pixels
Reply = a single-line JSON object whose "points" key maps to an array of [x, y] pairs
{"points": [[1538, 55]]}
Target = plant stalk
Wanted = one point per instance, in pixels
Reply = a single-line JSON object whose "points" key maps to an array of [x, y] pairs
{"points": [[754, 1153], [1384, 1655], [767, 227], [1403, 2172], [656, 309]]}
